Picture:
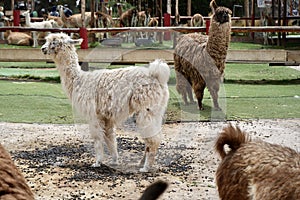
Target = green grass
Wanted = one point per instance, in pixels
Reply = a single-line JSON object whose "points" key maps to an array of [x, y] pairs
{"points": [[259, 72], [34, 102], [241, 101], [251, 91], [26, 65], [40, 102]]}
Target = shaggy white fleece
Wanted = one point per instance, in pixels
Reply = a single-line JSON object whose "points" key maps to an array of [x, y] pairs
{"points": [[108, 97]]}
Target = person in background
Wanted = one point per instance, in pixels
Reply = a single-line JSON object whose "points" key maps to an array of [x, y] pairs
{"points": [[54, 12], [67, 11]]}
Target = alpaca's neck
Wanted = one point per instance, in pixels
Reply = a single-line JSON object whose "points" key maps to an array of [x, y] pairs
{"points": [[62, 15], [218, 42], [69, 69], [27, 19]]}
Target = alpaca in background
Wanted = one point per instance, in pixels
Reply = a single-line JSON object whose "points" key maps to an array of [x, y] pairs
{"points": [[75, 21], [104, 21], [19, 38], [43, 24], [108, 97], [12, 183], [201, 59], [256, 169], [197, 20], [153, 23]]}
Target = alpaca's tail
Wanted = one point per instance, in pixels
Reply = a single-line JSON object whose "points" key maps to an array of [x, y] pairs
{"points": [[154, 191], [233, 137], [160, 70]]}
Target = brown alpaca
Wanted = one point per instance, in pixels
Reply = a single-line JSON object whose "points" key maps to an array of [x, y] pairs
{"points": [[201, 59], [12, 183], [197, 20], [143, 17], [58, 20], [19, 38], [128, 18], [256, 169], [75, 21]]}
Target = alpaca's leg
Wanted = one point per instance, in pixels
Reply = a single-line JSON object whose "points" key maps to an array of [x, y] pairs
{"points": [[111, 141], [97, 133], [35, 39], [199, 91], [151, 148], [190, 93], [149, 124], [214, 89], [181, 85]]}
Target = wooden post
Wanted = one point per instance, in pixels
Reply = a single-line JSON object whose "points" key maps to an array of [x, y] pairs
{"points": [[279, 22], [189, 6], [284, 22], [83, 31], [253, 17]]}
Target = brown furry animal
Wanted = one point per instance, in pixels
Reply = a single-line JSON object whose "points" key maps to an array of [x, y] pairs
{"points": [[197, 20], [129, 18], [12, 183], [19, 38], [201, 59], [256, 169], [153, 191]]}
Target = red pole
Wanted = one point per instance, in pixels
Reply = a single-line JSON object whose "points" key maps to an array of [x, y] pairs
{"points": [[207, 25], [167, 22], [83, 35], [16, 14]]}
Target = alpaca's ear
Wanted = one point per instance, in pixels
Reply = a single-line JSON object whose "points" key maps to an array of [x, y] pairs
{"points": [[213, 5]]}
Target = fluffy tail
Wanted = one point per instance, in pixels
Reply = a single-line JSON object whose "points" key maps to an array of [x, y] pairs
{"points": [[233, 137], [154, 191], [160, 70]]}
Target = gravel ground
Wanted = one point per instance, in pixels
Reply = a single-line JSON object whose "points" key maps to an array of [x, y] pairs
{"points": [[56, 159]]}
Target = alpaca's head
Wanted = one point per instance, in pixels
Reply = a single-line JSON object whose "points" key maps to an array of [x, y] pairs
{"points": [[57, 42], [220, 14]]}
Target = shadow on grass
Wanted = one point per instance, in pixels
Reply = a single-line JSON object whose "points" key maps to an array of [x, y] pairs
{"points": [[191, 113]]}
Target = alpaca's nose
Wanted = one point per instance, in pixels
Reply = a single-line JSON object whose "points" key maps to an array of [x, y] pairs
{"points": [[44, 50]]}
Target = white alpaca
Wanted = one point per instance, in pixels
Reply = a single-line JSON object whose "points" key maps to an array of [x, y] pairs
{"points": [[108, 97], [43, 24]]}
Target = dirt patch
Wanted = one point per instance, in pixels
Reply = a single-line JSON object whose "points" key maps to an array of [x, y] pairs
{"points": [[56, 159]]}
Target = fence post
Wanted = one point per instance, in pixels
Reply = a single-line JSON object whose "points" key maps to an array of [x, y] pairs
{"points": [[167, 22], [207, 25], [83, 34], [16, 14]]}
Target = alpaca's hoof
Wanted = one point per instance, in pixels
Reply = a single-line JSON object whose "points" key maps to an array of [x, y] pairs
{"points": [[115, 162], [217, 109], [193, 102], [201, 108], [144, 170]]}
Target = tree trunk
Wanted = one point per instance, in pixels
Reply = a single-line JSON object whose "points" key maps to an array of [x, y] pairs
{"points": [[83, 13], [177, 16], [92, 22], [189, 7], [139, 5], [169, 6], [246, 10]]}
